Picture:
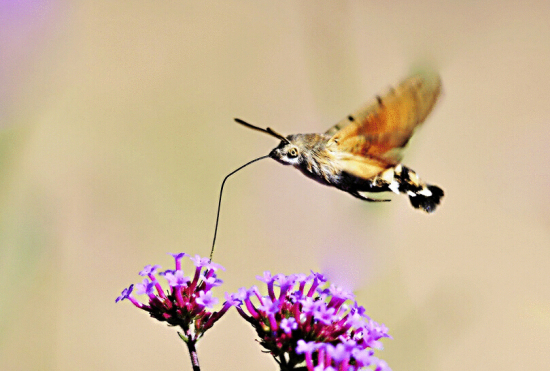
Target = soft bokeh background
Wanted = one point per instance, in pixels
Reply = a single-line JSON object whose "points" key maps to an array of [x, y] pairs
{"points": [[116, 131]]}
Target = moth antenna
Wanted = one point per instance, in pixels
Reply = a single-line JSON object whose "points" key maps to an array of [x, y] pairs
{"points": [[268, 130], [220, 199]]}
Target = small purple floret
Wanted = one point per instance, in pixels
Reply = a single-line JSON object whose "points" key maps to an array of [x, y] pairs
{"points": [[305, 347], [149, 269], [270, 307], [178, 255], [289, 324], [200, 262], [146, 287], [265, 278], [206, 299], [324, 315], [125, 294], [176, 279]]}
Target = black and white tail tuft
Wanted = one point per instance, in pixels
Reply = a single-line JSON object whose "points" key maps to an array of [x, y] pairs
{"points": [[427, 199], [422, 196]]}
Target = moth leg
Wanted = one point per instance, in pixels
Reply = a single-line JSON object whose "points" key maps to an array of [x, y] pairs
{"points": [[361, 197]]}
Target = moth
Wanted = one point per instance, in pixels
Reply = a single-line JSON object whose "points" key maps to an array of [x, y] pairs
{"points": [[362, 153]]}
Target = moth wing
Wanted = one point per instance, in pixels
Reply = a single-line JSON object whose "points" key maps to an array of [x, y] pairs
{"points": [[360, 166], [382, 127]]}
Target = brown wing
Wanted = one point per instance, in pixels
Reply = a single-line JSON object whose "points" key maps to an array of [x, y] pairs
{"points": [[362, 167], [382, 127]]}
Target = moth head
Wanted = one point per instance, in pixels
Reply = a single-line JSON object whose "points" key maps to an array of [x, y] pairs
{"points": [[287, 152]]}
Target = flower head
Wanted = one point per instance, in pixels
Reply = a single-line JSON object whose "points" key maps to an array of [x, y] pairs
{"points": [[188, 301], [306, 321]]}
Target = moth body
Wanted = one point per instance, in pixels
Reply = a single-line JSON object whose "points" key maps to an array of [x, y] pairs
{"points": [[310, 153], [362, 153]]}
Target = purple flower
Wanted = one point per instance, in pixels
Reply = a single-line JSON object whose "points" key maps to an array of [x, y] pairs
{"points": [[178, 257], [214, 266], [176, 278], [146, 288], [289, 324], [305, 347], [211, 281], [265, 278], [200, 262], [232, 299], [338, 353], [149, 269], [323, 314], [308, 321], [285, 283], [187, 303], [270, 307], [125, 294], [206, 299]]}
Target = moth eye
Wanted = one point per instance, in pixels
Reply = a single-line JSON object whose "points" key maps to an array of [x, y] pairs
{"points": [[293, 152]]}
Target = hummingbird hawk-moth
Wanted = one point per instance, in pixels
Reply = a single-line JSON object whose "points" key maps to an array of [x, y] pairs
{"points": [[362, 153]]}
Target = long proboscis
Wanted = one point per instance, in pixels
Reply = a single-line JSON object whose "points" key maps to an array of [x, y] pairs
{"points": [[220, 200], [268, 130]]}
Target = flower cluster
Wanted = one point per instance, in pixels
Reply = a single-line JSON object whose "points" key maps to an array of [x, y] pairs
{"points": [[187, 303], [311, 321]]}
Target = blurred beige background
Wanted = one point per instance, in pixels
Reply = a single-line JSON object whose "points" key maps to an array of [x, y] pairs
{"points": [[116, 130]]}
